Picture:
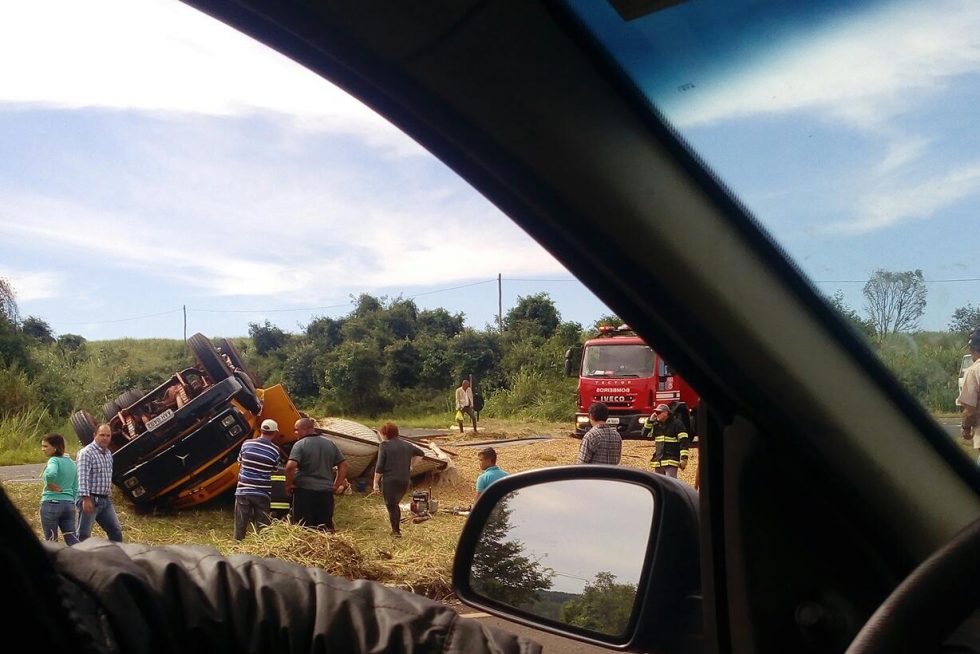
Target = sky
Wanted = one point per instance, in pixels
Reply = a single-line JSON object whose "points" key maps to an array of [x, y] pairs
{"points": [[545, 521], [170, 166], [174, 163]]}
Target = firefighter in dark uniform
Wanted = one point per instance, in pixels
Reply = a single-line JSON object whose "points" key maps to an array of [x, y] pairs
{"points": [[670, 440]]}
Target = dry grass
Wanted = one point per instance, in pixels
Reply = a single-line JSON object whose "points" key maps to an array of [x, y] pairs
{"points": [[362, 548]]}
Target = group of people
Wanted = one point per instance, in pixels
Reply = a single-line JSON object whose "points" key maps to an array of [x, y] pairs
{"points": [[77, 495], [602, 444], [311, 480]]}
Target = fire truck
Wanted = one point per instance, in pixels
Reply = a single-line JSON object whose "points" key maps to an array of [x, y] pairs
{"points": [[618, 369]]}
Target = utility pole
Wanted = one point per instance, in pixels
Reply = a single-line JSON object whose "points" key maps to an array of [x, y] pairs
{"points": [[500, 303], [185, 325]]}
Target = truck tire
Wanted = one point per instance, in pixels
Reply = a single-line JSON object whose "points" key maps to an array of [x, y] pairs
{"points": [[228, 348], [84, 425], [128, 398], [248, 398], [208, 358], [110, 409]]}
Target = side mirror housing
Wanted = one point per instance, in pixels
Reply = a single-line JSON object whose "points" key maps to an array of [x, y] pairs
{"points": [[573, 357], [603, 554]]}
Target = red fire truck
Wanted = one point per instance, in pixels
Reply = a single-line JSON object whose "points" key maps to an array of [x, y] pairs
{"points": [[618, 369]]}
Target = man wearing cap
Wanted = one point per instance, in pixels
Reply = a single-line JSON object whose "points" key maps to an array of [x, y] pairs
{"points": [[257, 460], [601, 444], [969, 397], [310, 477], [670, 441]]}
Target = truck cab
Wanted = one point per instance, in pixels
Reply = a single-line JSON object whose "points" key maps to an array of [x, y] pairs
{"points": [[620, 370]]}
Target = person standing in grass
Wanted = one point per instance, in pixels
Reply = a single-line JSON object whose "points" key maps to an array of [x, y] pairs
{"points": [[310, 477], [392, 475], [95, 487], [253, 496], [464, 404], [60, 487]]}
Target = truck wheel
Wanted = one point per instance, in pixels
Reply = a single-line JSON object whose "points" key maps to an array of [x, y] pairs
{"points": [[110, 409], [127, 398], [84, 425], [247, 397], [228, 348], [208, 358]]}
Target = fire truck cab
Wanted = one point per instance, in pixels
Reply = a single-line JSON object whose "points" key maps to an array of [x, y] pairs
{"points": [[618, 369]]}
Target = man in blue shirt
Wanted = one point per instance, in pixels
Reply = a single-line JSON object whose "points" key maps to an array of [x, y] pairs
{"points": [[491, 473], [257, 460]]}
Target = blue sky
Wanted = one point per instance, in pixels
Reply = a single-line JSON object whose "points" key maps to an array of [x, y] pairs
{"points": [[173, 164]]}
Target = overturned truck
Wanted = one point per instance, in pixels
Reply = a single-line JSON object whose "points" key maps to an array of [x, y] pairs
{"points": [[177, 445]]}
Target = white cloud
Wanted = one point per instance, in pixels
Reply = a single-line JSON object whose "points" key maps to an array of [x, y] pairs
{"points": [[161, 55], [32, 284], [861, 71], [897, 202]]}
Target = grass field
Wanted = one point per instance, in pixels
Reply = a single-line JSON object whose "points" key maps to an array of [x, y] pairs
{"points": [[362, 548]]}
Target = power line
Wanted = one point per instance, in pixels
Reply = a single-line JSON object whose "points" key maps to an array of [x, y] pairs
{"points": [[332, 306], [452, 288], [106, 322], [865, 281]]}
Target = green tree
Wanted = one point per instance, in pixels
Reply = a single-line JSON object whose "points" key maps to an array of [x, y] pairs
{"points": [[534, 315], [895, 301], [266, 337], [439, 322], [479, 354], [965, 320], [325, 333], [603, 607], [862, 325], [37, 329], [402, 365], [501, 570], [608, 320], [353, 379], [303, 371]]}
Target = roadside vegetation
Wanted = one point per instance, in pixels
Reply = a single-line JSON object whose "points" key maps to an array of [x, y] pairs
{"points": [[388, 359]]}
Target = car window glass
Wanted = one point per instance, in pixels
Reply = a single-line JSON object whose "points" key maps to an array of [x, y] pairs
{"points": [[847, 130]]}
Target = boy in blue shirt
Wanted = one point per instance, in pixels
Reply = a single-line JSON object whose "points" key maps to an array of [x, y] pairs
{"points": [[491, 473]]}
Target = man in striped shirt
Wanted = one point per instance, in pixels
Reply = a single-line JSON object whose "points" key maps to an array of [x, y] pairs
{"points": [[602, 443], [257, 460], [95, 487]]}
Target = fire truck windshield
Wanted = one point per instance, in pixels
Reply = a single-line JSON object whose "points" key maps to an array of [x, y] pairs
{"points": [[617, 361]]}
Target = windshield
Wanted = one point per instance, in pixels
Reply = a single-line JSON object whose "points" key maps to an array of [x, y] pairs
{"points": [[617, 361], [848, 131]]}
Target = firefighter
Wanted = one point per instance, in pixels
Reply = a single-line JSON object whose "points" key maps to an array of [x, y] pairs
{"points": [[670, 440]]}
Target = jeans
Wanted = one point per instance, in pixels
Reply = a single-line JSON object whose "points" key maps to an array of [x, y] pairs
{"points": [[104, 514], [58, 514], [251, 510]]}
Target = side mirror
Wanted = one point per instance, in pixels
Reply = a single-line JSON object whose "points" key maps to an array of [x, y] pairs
{"points": [[602, 554], [573, 357]]}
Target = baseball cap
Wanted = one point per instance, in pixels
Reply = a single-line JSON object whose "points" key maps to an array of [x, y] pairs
{"points": [[269, 425], [662, 407]]}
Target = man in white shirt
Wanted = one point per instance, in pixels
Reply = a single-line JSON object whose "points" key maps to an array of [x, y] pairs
{"points": [[969, 398], [464, 403]]}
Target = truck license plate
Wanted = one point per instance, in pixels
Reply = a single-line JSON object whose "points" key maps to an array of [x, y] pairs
{"points": [[612, 421], [160, 419]]}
